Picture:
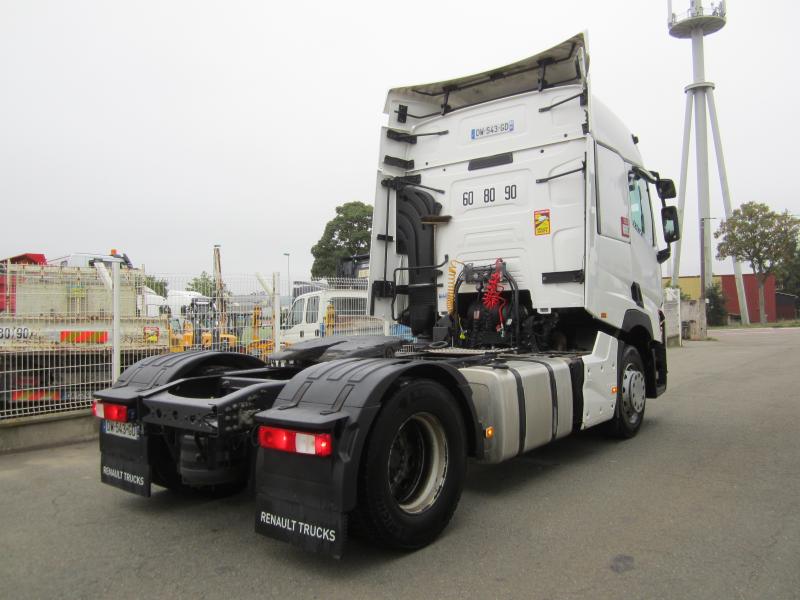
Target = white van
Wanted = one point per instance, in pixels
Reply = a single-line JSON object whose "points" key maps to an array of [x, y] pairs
{"points": [[333, 312]]}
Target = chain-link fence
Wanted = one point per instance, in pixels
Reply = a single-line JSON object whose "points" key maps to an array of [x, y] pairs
{"points": [[235, 314], [56, 324]]}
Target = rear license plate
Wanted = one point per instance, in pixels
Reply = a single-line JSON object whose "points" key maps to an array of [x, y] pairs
{"points": [[131, 431], [492, 129]]}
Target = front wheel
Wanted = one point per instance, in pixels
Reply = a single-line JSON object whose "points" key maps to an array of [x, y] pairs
{"points": [[631, 394], [412, 472]]}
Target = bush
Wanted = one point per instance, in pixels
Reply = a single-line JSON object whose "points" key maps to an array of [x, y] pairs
{"points": [[715, 309]]}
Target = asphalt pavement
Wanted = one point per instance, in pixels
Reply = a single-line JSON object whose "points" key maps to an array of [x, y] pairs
{"points": [[703, 503]]}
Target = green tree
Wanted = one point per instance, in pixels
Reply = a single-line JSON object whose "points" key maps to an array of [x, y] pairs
{"points": [[348, 233], [203, 284], [715, 313], [763, 238], [159, 286], [788, 277]]}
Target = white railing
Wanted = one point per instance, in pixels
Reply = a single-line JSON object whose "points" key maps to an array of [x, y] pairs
{"points": [[712, 10]]}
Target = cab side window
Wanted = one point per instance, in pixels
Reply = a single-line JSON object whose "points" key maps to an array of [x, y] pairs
{"points": [[641, 214], [612, 195], [312, 309], [647, 212], [296, 315], [635, 196]]}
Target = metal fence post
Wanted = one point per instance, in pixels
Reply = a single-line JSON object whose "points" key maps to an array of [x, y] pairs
{"points": [[8, 286], [115, 337], [276, 311]]}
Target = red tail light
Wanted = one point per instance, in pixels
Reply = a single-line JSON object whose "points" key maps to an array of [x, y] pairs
{"points": [[298, 442], [111, 412]]}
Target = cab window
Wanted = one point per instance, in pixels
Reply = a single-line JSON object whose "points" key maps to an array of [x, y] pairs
{"points": [[641, 214], [612, 196], [647, 212], [296, 314], [312, 309]]}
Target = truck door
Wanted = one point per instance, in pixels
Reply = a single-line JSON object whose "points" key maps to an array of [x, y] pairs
{"points": [[609, 268], [294, 325], [311, 326], [646, 270]]}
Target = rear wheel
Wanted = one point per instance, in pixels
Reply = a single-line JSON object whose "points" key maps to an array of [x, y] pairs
{"points": [[412, 472], [631, 394]]}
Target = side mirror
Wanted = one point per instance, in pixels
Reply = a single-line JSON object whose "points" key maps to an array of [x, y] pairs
{"points": [[663, 255], [669, 219], [665, 189]]}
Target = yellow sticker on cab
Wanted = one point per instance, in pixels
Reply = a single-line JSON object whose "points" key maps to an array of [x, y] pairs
{"points": [[541, 222]]}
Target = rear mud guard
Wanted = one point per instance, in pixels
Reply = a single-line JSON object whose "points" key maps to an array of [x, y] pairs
{"points": [[124, 461]]}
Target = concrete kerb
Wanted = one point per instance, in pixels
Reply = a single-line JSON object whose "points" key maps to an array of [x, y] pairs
{"points": [[42, 431]]}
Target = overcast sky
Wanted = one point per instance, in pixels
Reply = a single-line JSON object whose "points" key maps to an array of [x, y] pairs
{"points": [[163, 127]]}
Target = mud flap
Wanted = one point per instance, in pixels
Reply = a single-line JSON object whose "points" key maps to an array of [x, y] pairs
{"points": [[123, 461], [311, 529], [660, 362]]}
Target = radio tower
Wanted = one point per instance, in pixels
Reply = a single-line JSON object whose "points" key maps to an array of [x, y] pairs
{"points": [[697, 23]]}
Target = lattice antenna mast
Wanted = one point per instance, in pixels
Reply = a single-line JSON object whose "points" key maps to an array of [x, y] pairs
{"points": [[695, 24]]}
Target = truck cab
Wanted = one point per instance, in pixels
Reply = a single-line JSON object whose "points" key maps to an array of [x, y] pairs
{"points": [[524, 165]]}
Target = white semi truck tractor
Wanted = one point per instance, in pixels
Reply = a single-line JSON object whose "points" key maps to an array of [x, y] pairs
{"points": [[516, 232]]}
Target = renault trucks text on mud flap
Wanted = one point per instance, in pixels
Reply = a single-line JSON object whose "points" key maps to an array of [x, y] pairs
{"points": [[514, 234]]}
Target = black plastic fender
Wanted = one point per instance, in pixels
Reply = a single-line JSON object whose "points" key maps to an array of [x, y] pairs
{"points": [[637, 331], [345, 395], [342, 397], [636, 318], [125, 462], [155, 371]]}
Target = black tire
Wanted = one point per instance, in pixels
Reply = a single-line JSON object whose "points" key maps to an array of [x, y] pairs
{"points": [[631, 395], [413, 467]]}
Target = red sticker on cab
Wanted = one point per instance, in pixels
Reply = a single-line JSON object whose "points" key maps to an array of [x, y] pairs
{"points": [[625, 227]]}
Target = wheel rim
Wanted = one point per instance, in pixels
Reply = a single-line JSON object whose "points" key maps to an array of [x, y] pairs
{"points": [[417, 463], [633, 393]]}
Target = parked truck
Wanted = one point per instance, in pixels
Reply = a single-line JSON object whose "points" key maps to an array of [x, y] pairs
{"points": [[515, 234]]}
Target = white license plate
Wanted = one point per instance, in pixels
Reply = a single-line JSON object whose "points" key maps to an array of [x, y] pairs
{"points": [[125, 430], [492, 129]]}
